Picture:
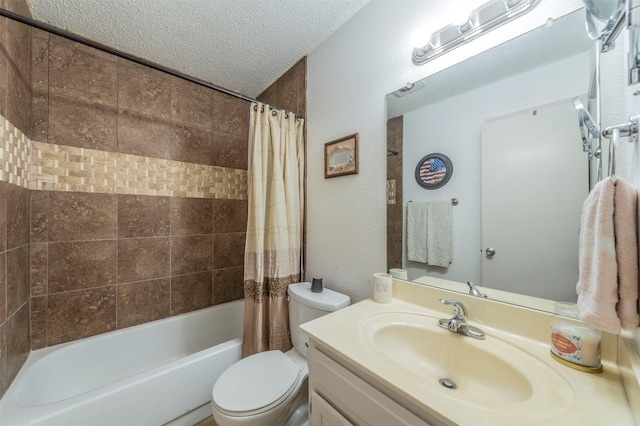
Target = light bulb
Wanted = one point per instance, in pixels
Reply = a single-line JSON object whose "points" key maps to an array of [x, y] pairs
{"points": [[420, 37]]}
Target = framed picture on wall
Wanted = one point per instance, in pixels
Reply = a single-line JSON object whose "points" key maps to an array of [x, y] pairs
{"points": [[341, 157]]}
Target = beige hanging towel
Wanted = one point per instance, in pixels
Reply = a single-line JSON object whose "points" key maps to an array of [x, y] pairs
{"points": [[608, 261], [598, 268], [625, 221], [430, 233], [597, 279]]}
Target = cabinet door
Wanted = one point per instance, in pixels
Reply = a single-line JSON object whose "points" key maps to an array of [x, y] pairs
{"points": [[355, 399], [323, 414]]}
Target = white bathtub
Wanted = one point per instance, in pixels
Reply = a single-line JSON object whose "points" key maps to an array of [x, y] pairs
{"points": [[151, 374]]}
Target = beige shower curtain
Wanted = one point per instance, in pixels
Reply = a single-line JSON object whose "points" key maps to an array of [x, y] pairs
{"points": [[273, 252]]}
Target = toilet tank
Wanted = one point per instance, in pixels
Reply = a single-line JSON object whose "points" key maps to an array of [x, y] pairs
{"points": [[305, 306]]}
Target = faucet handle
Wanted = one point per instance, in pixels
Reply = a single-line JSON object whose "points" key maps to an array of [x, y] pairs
{"points": [[459, 311], [458, 323]]}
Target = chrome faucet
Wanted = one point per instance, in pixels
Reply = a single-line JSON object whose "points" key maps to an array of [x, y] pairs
{"points": [[458, 324], [473, 290]]}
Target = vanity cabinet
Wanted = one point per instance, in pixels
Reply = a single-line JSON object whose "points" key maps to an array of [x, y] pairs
{"points": [[339, 397]]}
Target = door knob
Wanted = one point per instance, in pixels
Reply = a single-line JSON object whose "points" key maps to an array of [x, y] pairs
{"points": [[490, 251]]}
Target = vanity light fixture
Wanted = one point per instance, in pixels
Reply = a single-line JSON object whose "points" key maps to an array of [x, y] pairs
{"points": [[481, 20]]}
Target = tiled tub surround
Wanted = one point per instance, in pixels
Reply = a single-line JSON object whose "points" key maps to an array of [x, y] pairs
{"points": [[138, 193], [14, 281], [15, 104], [100, 262], [108, 257]]}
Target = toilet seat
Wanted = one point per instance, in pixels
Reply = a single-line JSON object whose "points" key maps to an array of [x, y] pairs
{"points": [[256, 384]]}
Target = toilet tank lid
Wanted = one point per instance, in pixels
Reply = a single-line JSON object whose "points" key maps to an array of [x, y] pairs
{"points": [[326, 300]]}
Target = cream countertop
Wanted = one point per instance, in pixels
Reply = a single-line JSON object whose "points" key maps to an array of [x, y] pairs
{"points": [[592, 399]]}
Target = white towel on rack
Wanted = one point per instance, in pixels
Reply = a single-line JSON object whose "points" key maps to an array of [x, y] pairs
{"points": [[417, 232], [430, 233], [439, 234]]}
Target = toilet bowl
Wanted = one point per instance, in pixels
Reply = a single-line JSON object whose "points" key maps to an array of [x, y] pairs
{"points": [[262, 389], [271, 388]]}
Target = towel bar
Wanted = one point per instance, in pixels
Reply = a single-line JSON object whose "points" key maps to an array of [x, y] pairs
{"points": [[628, 129], [454, 201]]}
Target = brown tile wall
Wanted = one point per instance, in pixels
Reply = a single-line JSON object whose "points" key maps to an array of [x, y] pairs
{"points": [[394, 193], [100, 262], [289, 92], [15, 101], [89, 99], [103, 261]]}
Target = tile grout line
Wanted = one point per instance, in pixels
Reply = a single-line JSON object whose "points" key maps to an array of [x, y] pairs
{"points": [[48, 195], [170, 258], [117, 277]]}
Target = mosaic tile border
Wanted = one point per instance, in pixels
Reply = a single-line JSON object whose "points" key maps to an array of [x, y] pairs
{"points": [[49, 167], [15, 154], [391, 191]]}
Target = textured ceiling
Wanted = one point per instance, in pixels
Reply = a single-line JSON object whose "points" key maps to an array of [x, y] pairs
{"points": [[242, 45]]}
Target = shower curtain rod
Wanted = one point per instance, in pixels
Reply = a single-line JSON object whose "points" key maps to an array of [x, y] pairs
{"points": [[124, 55]]}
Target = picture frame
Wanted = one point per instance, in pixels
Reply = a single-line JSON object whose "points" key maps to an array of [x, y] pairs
{"points": [[341, 156]]}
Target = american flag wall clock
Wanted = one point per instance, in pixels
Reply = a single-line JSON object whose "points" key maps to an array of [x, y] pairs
{"points": [[434, 171]]}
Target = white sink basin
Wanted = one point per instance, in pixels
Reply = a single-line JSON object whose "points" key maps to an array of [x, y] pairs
{"points": [[488, 374]]}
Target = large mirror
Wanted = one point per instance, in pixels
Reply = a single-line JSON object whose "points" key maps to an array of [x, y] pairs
{"points": [[505, 117]]}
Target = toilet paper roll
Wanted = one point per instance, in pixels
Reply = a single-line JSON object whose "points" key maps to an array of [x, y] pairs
{"points": [[382, 287], [399, 274]]}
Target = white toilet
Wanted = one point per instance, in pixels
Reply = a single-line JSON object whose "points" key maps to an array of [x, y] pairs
{"points": [[271, 388]]}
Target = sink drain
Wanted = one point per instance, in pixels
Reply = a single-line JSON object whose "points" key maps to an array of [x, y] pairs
{"points": [[447, 383]]}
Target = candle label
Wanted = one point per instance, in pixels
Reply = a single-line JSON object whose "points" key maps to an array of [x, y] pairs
{"points": [[566, 346], [575, 343]]}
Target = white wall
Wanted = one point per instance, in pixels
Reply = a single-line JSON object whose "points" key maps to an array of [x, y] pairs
{"points": [[453, 127], [348, 77]]}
